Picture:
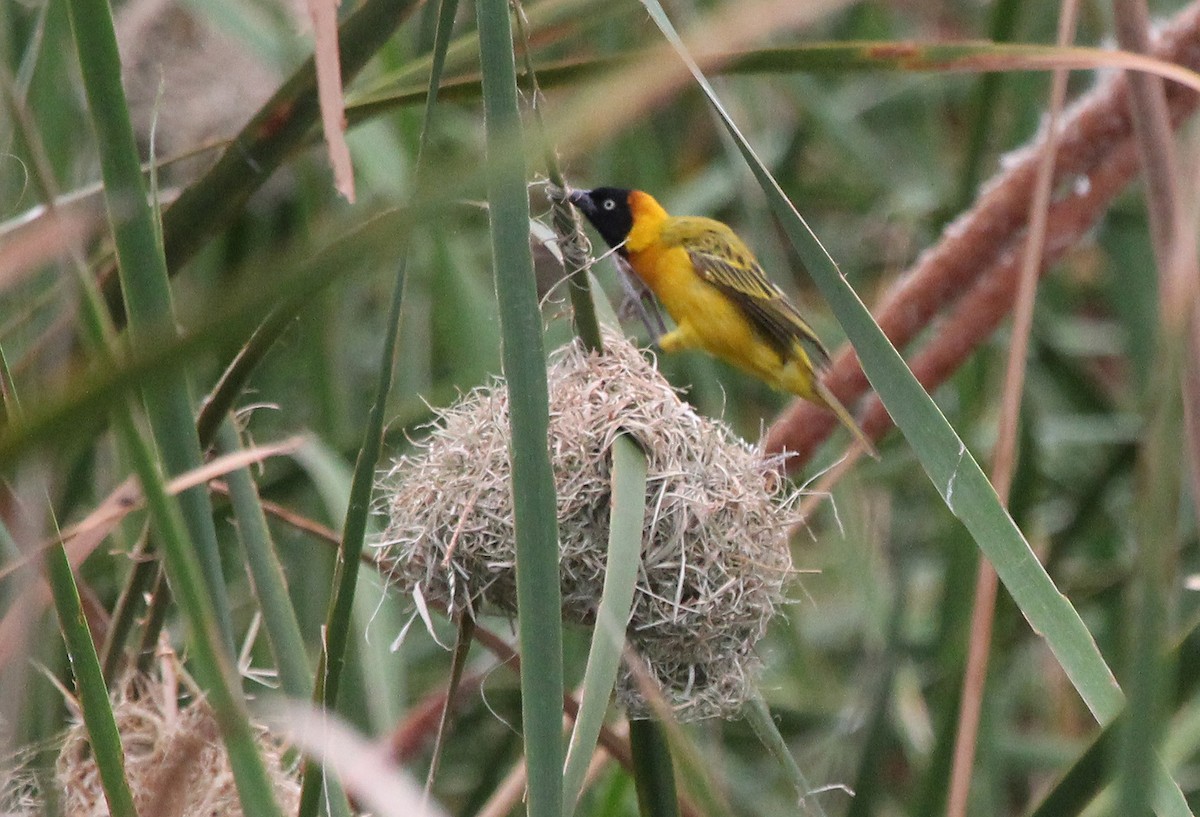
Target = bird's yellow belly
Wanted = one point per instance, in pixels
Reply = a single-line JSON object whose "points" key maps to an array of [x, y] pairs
{"points": [[705, 317]]}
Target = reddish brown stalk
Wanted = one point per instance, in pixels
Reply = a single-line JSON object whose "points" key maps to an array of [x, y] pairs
{"points": [[420, 726], [977, 254], [1004, 455], [983, 307]]}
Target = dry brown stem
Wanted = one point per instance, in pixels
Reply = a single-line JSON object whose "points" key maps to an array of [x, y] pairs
{"points": [[1004, 454], [977, 259]]}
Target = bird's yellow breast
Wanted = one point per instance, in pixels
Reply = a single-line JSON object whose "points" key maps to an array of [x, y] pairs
{"points": [[709, 318]]}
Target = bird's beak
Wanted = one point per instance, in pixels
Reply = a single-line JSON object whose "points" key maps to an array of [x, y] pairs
{"points": [[583, 200]]}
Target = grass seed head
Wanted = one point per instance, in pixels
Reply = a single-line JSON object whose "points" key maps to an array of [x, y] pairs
{"points": [[714, 546]]}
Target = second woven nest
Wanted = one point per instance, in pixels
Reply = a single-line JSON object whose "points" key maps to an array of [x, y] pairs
{"points": [[714, 554]]}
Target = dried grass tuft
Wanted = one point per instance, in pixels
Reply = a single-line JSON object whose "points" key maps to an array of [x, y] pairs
{"points": [[20, 795], [714, 554], [174, 759]]}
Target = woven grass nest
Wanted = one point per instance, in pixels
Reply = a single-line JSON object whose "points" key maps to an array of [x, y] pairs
{"points": [[714, 555], [175, 762]]}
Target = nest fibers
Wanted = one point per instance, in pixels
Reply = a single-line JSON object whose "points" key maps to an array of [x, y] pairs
{"points": [[175, 761], [714, 543]]}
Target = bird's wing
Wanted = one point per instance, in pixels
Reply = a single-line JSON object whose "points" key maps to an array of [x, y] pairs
{"points": [[723, 260]]}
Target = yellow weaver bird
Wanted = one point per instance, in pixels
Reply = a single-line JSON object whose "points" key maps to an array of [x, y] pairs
{"points": [[716, 292]]}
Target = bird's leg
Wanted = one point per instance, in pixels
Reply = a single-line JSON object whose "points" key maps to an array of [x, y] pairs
{"points": [[678, 339]]}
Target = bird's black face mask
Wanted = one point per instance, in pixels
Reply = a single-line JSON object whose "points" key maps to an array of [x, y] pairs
{"points": [[608, 210]]}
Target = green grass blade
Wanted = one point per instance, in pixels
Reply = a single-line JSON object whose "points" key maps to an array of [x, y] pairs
{"points": [[332, 476], [625, 519], [536, 524], [266, 574], [991, 58], [954, 472], [760, 720], [98, 717], [1084, 781], [1148, 672], [212, 663], [144, 280], [653, 771], [345, 576], [90, 687]]}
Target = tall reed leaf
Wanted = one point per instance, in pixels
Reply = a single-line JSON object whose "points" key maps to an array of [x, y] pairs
{"points": [[144, 281], [626, 512], [90, 687], [535, 520]]}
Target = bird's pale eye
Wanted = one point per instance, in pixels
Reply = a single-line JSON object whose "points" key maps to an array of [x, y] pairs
{"points": [[609, 204]]}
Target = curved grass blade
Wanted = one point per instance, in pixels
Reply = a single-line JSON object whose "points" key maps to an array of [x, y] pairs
{"points": [[1083, 782], [302, 274], [760, 720], [144, 283], [539, 608], [626, 515], [90, 687], [955, 474], [103, 736], [266, 573]]}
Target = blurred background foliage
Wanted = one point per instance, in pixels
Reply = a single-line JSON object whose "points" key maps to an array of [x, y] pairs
{"points": [[863, 670]]}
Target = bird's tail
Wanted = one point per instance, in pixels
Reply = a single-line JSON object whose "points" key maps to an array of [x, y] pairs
{"points": [[825, 396]]}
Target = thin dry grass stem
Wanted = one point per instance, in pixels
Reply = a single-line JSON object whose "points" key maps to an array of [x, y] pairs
{"points": [[976, 260], [1005, 453], [296, 520], [818, 492], [714, 557]]}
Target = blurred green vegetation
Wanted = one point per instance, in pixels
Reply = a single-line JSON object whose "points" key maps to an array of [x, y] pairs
{"points": [[863, 671]]}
